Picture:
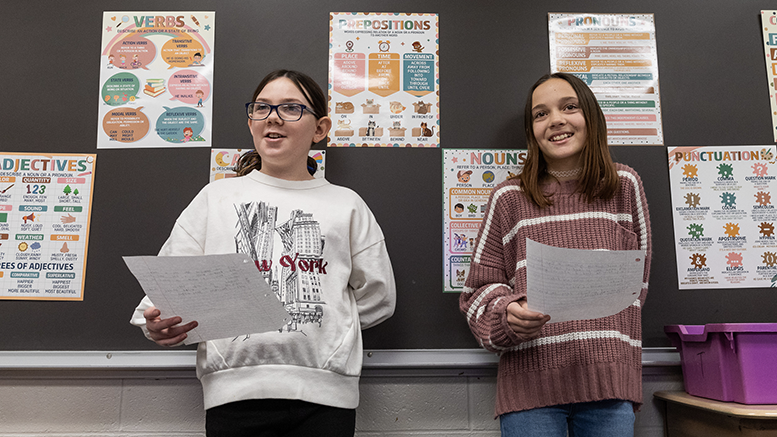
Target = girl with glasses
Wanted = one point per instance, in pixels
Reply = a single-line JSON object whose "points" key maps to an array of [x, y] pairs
{"points": [[319, 248], [581, 377]]}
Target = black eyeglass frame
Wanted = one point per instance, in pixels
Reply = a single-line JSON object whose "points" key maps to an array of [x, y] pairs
{"points": [[275, 108]]}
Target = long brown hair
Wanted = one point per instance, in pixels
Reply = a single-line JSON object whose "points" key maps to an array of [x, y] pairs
{"points": [[315, 96], [599, 177]]}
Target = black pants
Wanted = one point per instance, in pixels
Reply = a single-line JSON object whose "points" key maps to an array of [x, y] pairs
{"points": [[279, 418]]}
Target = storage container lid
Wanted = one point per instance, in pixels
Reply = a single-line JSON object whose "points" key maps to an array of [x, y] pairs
{"points": [[699, 332]]}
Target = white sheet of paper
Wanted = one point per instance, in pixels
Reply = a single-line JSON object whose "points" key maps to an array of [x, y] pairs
{"points": [[225, 294], [577, 284]]}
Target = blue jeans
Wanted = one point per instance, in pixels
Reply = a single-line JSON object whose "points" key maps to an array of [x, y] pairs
{"points": [[610, 418]]}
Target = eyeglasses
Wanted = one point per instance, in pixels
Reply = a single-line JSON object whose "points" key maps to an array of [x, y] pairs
{"points": [[286, 111]]}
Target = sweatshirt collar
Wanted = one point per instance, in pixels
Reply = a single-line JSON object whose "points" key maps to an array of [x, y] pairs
{"points": [[262, 178]]}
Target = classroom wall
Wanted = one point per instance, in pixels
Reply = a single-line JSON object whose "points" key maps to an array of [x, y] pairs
{"points": [[431, 403], [713, 92]]}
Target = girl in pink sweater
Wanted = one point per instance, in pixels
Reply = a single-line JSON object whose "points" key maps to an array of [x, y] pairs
{"points": [[582, 376]]}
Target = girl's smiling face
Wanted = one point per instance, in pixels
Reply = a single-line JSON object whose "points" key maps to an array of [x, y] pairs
{"points": [[284, 145], [558, 124]]}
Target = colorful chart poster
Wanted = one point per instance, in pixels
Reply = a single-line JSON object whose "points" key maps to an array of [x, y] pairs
{"points": [[724, 215], [156, 80], [769, 21], [45, 210], [223, 161], [615, 54], [384, 80], [469, 176]]}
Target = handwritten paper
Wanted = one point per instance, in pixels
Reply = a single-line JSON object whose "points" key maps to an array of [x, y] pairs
{"points": [[577, 284], [225, 294]]}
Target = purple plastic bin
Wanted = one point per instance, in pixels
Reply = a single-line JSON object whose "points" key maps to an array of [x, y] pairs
{"points": [[728, 361]]}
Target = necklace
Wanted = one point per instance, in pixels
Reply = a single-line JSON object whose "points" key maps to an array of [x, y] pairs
{"points": [[565, 173]]}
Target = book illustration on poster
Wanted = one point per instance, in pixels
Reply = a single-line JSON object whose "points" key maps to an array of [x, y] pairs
{"points": [[154, 87]]}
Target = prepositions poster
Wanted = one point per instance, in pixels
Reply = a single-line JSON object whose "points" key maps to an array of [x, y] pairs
{"points": [[156, 80], [223, 161], [384, 80], [45, 210], [769, 21], [469, 176], [723, 205], [615, 54]]}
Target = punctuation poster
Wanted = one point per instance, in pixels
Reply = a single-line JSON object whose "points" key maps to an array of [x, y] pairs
{"points": [[469, 176], [384, 80], [156, 80], [615, 54], [223, 162], [769, 21], [723, 205], [45, 209]]}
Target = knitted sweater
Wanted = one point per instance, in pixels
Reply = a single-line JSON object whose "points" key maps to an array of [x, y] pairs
{"points": [[569, 362]]}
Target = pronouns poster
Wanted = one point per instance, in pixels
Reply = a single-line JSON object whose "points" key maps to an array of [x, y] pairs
{"points": [[769, 21], [156, 80], [615, 54], [223, 162], [469, 176], [45, 210], [723, 203], [384, 80]]}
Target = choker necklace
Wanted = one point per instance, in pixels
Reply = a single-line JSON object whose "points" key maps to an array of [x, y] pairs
{"points": [[565, 173]]}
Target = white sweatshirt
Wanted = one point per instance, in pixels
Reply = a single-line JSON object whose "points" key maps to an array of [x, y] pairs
{"points": [[321, 250]]}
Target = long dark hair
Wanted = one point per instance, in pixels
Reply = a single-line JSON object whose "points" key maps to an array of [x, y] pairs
{"points": [[315, 96], [599, 177]]}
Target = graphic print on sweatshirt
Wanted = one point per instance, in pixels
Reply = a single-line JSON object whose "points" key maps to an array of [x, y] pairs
{"points": [[295, 276]]}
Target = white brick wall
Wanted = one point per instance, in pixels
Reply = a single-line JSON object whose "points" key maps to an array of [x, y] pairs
{"points": [[169, 403]]}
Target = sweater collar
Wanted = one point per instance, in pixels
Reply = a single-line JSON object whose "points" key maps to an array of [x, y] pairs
{"points": [[262, 178], [566, 187]]}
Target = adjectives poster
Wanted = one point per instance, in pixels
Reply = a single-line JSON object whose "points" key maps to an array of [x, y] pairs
{"points": [[469, 176], [384, 80], [156, 80], [45, 210], [723, 205], [615, 54], [223, 162], [769, 21]]}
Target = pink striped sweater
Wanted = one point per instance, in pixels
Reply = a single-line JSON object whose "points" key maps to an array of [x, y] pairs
{"points": [[570, 362]]}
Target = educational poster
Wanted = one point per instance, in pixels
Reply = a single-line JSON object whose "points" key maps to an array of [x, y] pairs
{"points": [[156, 80], [45, 210], [723, 205], [223, 161], [469, 176], [384, 80], [769, 21], [615, 54]]}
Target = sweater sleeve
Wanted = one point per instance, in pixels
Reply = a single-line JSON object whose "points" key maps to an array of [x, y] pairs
{"points": [[641, 223], [372, 284], [488, 289], [371, 279]]}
